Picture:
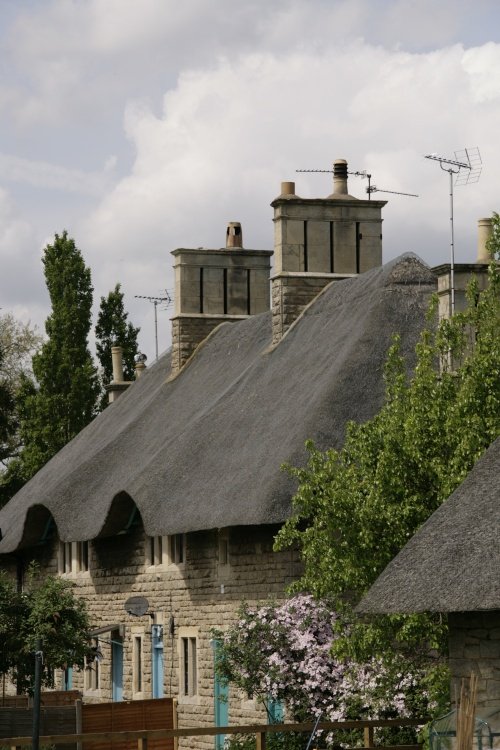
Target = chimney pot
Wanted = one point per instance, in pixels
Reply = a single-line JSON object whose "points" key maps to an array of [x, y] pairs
{"points": [[288, 188], [340, 177], [234, 236], [117, 360], [484, 231]]}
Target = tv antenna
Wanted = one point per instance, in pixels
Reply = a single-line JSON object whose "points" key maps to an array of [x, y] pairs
{"points": [[375, 189], [467, 166], [167, 300], [366, 175]]}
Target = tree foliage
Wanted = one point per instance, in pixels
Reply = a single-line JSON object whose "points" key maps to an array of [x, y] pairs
{"points": [[355, 508], [18, 342], [61, 401], [113, 329], [46, 610]]}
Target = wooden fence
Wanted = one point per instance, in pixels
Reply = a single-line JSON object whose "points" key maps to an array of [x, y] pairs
{"points": [[144, 739], [90, 719]]}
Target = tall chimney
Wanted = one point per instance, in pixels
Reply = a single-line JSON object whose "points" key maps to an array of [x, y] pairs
{"points": [[317, 241], [118, 384], [484, 232], [117, 360], [234, 236]]}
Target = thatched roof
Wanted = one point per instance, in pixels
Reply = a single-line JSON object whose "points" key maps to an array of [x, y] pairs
{"points": [[204, 450], [452, 563]]}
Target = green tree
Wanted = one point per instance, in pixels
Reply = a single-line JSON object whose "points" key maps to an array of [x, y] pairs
{"points": [[113, 329], [356, 508], [61, 401], [18, 342], [7, 417], [46, 610]]}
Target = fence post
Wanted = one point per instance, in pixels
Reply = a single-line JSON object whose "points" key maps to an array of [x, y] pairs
{"points": [[78, 720], [368, 736], [260, 738]]}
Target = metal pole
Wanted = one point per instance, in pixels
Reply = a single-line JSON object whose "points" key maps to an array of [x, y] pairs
{"points": [[156, 329], [452, 247], [36, 695]]}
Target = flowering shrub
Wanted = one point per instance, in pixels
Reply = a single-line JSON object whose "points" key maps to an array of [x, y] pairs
{"points": [[284, 653]]}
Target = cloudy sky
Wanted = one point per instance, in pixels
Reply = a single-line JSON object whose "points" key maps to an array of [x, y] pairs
{"points": [[144, 125]]}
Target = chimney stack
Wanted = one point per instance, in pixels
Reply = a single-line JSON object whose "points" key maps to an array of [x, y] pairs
{"points": [[213, 287], [484, 231], [118, 384], [317, 241]]}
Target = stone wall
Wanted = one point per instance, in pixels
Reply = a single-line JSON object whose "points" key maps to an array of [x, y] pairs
{"points": [[199, 594], [474, 643]]}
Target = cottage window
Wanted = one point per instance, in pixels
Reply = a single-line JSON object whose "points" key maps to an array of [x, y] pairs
{"points": [[73, 557], [65, 557], [176, 548], [92, 670], [138, 676], [223, 548], [189, 670], [82, 550], [156, 551]]}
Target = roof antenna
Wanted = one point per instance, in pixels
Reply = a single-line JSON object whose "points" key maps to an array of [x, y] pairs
{"points": [[467, 165], [167, 299], [357, 174], [366, 175]]}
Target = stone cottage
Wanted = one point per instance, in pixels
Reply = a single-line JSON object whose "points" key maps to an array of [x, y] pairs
{"points": [[452, 566], [163, 510]]}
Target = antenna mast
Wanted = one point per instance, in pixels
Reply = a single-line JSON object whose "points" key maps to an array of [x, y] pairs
{"points": [[370, 189], [468, 160], [364, 173], [156, 301]]}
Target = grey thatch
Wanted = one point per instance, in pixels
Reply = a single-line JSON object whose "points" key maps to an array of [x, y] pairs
{"points": [[452, 563], [204, 450]]}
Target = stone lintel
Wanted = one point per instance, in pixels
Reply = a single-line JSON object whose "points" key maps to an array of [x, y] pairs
{"points": [[207, 317], [312, 275]]}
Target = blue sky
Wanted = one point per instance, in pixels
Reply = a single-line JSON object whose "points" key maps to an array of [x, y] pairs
{"points": [[143, 126]]}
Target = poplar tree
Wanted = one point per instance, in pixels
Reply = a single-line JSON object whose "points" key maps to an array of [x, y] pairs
{"points": [[61, 400], [113, 329]]}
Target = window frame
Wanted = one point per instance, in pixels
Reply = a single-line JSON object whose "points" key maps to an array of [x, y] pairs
{"points": [[188, 652]]}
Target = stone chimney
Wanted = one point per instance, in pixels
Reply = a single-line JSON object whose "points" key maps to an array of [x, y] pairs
{"points": [[484, 232], [463, 273], [317, 241], [213, 287], [118, 384]]}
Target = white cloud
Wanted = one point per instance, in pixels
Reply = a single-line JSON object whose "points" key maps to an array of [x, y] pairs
{"points": [[54, 177], [228, 135], [158, 122]]}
